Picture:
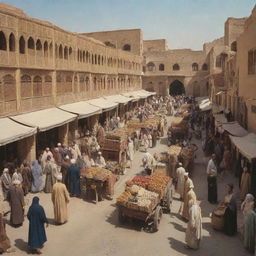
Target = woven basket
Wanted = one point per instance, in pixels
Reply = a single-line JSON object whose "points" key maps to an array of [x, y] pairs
{"points": [[217, 221]]}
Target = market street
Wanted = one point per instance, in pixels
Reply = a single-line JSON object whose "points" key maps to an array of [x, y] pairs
{"points": [[95, 230]]}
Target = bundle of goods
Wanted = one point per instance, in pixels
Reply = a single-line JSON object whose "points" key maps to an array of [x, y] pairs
{"points": [[136, 125], [138, 198], [97, 173], [138, 180], [118, 134], [174, 150], [157, 183], [218, 217]]}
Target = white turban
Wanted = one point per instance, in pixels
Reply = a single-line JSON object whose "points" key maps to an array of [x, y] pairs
{"points": [[180, 164], [59, 177], [67, 157], [72, 161], [16, 182], [5, 170], [186, 174], [59, 144]]}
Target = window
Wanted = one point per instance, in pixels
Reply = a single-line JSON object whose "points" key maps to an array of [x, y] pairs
{"points": [[151, 66], [2, 41], [47, 88], [38, 45], [234, 46], [176, 67], [65, 52], [127, 47], [60, 52], [252, 62], [11, 43], [46, 49], [194, 67], [161, 67], [26, 86], [205, 67], [218, 63], [22, 45], [31, 43], [37, 86], [109, 44], [9, 83]]}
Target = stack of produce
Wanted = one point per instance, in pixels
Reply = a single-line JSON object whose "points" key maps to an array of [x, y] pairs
{"points": [[158, 183], [97, 173], [174, 150], [138, 198], [138, 180]]}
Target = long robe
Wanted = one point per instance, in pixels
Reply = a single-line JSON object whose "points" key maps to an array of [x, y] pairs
{"points": [[36, 170], [188, 193], [6, 182], [49, 177], [16, 199], [212, 189], [245, 185], [37, 218], [27, 178], [250, 230], [230, 216], [74, 175], [180, 180], [5, 243], [60, 199], [194, 228]]}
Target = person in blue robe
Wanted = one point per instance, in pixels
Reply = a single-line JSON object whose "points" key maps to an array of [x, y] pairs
{"points": [[74, 177], [37, 219], [37, 173]]}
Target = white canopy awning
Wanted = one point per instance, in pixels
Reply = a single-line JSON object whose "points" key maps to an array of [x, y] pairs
{"points": [[45, 119], [133, 97], [103, 103], [234, 128], [118, 98], [82, 109], [11, 131], [246, 145]]}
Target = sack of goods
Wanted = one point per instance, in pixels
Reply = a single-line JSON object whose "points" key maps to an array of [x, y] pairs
{"points": [[218, 217], [97, 173], [138, 198]]}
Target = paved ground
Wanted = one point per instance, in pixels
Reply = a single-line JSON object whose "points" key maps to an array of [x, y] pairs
{"points": [[93, 230]]}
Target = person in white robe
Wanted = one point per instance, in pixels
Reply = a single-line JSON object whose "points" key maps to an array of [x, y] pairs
{"points": [[194, 228], [46, 153], [100, 160], [130, 152], [211, 164], [180, 180], [148, 161]]}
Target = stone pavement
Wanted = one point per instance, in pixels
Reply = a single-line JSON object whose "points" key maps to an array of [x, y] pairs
{"points": [[94, 230]]}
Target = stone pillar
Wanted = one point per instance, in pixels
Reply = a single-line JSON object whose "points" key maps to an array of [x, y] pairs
{"points": [[18, 88], [54, 86], [63, 134]]}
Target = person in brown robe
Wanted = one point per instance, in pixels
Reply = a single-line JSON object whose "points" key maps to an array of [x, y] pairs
{"points": [[245, 183], [6, 182], [16, 200], [27, 178], [64, 170], [5, 244], [49, 172], [60, 199]]}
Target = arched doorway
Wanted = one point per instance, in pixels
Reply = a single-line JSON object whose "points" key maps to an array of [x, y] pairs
{"points": [[176, 88]]}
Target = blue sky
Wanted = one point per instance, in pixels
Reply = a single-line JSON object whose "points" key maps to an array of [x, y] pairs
{"points": [[184, 23]]}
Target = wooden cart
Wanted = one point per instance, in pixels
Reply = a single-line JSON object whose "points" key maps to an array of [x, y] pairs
{"points": [[155, 215], [165, 202]]}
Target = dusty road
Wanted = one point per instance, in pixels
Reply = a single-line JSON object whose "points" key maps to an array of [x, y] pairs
{"points": [[93, 230]]}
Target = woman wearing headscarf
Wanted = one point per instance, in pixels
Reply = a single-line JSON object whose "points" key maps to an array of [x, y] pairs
{"points": [[36, 170], [6, 182], [230, 216], [245, 183], [249, 228], [37, 219]]}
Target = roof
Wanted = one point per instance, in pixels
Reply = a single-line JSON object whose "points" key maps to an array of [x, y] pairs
{"points": [[11, 131], [234, 128], [246, 145], [118, 98], [45, 119], [82, 109], [103, 103]]}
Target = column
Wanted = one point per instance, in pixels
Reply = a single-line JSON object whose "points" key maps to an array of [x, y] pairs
{"points": [[18, 85]]}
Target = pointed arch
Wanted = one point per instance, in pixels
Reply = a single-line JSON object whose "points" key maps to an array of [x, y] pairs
{"points": [[31, 43], [22, 45], [38, 45], [12, 43], [3, 44]]}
